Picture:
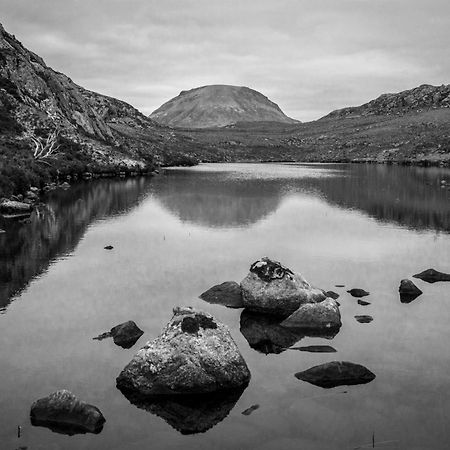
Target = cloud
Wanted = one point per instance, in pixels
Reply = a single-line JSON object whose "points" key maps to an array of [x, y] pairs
{"points": [[308, 56]]}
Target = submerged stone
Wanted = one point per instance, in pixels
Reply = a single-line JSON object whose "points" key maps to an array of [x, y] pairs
{"points": [[356, 292], [315, 349], [248, 411], [408, 291], [364, 319], [228, 294], [274, 289], [195, 354], [363, 302], [63, 413], [188, 414], [317, 316], [108, 247], [332, 294], [432, 276], [336, 373]]}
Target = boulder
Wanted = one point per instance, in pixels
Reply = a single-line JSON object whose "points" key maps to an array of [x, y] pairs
{"points": [[274, 289], [324, 314], [13, 206], [63, 413], [364, 319], [336, 373], [432, 276], [408, 291], [124, 335], [195, 354], [188, 414], [356, 292], [228, 294]]}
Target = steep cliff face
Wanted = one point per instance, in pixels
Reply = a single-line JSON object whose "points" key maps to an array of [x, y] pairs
{"points": [[412, 100], [35, 97], [217, 106]]}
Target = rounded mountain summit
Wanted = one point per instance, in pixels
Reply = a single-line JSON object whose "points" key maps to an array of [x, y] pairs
{"points": [[217, 106]]}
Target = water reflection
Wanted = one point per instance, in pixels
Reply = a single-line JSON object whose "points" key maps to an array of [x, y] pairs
{"points": [[53, 230], [189, 414], [408, 196]]}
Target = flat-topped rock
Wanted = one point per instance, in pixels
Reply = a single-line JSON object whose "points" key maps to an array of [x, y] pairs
{"points": [[195, 354], [272, 288]]}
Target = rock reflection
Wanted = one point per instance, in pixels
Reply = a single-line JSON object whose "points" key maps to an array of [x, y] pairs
{"points": [[188, 414], [27, 249]]}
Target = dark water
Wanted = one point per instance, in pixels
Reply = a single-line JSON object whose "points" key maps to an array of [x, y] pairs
{"points": [[176, 235]]}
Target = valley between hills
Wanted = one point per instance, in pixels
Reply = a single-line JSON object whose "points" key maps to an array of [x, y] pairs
{"points": [[53, 130]]}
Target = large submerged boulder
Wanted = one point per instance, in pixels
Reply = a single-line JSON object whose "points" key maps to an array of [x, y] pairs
{"points": [[316, 316], [195, 354], [228, 294], [63, 413], [274, 289], [336, 373]]}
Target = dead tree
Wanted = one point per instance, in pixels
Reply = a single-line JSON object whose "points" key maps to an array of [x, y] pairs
{"points": [[46, 148]]}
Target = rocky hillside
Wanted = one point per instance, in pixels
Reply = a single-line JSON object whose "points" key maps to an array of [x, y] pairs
{"points": [[218, 106], [413, 100]]}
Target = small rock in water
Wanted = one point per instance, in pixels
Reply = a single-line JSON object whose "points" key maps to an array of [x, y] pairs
{"points": [[336, 373], [228, 294], [363, 302], [432, 276], [332, 294], [364, 319], [248, 411], [108, 247], [315, 349], [124, 335], [408, 291], [339, 285], [358, 292], [63, 413]]}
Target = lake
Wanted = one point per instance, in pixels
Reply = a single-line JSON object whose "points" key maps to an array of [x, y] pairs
{"points": [[177, 234]]}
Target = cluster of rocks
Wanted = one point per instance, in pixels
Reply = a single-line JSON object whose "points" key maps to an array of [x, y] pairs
{"points": [[193, 373]]}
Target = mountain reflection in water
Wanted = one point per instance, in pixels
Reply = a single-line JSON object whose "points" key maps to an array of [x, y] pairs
{"points": [[412, 197], [27, 248]]}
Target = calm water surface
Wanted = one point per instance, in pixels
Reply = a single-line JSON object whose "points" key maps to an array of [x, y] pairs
{"points": [[176, 235]]}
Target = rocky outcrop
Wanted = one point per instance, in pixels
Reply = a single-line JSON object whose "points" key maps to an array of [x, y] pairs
{"points": [[274, 289], [336, 373], [424, 96], [227, 294], [195, 354], [217, 106], [408, 291], [315, 316], [63, 413], [432, 276], [15, 207]]}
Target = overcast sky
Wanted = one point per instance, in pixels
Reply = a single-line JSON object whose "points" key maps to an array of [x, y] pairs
{"points": [[309, 56]]}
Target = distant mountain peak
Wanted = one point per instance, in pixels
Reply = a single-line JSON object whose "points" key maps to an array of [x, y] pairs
{"points": [[218, 105]]}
